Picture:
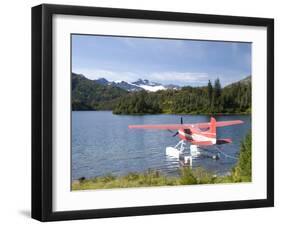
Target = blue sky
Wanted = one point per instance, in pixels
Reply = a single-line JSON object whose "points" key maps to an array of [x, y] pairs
{"points": [[168, 61]]}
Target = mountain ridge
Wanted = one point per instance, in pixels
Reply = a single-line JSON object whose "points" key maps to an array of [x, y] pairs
{"points": [[247, 80], [140, 84]]}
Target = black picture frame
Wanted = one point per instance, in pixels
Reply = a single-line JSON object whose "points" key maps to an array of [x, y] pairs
{"points": [[42, 111]]}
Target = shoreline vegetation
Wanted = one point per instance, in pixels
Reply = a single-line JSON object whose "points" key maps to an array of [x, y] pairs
{"points": [[212, 99], [207, 114], [240, 173]]}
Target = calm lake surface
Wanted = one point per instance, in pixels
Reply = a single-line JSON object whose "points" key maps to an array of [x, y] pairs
{"points": [[102, 144]]}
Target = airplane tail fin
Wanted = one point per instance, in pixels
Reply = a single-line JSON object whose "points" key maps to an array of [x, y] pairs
{"points": [[213, 127]]}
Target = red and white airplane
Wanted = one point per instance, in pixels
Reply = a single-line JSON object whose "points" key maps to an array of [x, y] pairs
{"points": [[198, 134]]}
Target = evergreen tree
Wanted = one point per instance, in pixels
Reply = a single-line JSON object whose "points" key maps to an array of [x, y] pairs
{"points": [[210, 94], [217, 95]]}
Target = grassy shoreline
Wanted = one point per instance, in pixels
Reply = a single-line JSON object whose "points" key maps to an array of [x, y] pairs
{"points": [[152, 178]]}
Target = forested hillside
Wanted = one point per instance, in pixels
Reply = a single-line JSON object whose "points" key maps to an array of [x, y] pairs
{"points": [[212, 98], [89, 95], [235, 98]]}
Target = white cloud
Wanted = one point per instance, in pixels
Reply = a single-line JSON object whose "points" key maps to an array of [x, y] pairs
{"points": [[180, 76], [108, 74], [177, 78]]}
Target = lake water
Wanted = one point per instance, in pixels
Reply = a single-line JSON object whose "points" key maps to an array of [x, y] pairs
{"points": [[102, 144]]}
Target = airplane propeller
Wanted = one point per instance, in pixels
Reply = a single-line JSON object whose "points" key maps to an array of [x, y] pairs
{"points": [[175, 134]]}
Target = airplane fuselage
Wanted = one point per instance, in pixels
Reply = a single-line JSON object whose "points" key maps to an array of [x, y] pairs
{"points": [[202, 138]]}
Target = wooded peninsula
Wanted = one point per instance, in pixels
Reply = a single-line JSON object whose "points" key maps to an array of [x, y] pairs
{"points": [[210, 99]]}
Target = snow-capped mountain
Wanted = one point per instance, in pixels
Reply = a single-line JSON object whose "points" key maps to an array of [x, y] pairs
{"points": [[149, 86], [127, 86], [137, 85]]}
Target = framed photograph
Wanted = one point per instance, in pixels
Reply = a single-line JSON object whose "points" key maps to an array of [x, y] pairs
{"points": [[145, 112]]}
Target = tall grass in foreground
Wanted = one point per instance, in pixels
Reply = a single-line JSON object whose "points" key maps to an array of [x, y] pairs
{"points": [[242, 172]]}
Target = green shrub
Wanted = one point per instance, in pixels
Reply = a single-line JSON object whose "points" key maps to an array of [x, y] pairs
{"points": [[242, 172], [187, 177]]}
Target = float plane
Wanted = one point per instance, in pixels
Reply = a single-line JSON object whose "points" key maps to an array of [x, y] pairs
{"points": [[199, 135]]}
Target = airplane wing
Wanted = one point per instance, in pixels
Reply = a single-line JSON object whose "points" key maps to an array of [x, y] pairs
{"points": [[161, 126], [218, 124], [184, 126]]}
